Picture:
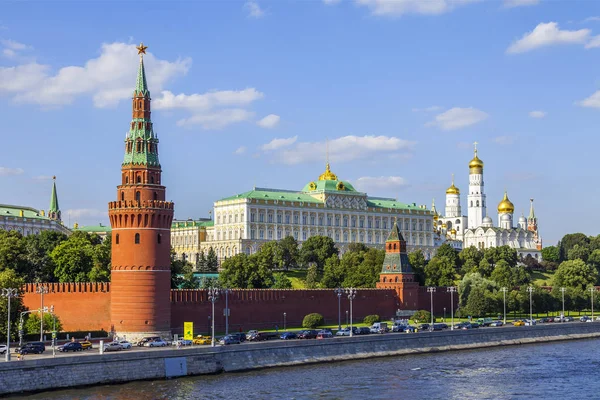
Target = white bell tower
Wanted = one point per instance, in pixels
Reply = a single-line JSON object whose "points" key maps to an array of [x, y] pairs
{"points": [[476, 198]]}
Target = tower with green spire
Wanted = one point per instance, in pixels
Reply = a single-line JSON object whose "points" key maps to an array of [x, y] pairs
{"points": [[54, 210]]}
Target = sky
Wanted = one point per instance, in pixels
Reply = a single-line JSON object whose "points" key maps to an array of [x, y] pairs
{"points": [[248, 94]]}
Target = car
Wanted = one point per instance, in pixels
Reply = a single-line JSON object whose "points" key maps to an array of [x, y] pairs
{"points": [[465, 326], [239, 335], [423, 327], [410, 329], [324, 335], [543, 320], [559, 319], [2, 348], [86, 344], [113, 346], [439, 327], [496, 323], [202, 340], [484, 321], [518, 323], [260, 336], [182, 342], [530, 322], [71, 346], [308, 334], [31, 348], [229, 339], [569, 319], [363, 330], [125, 344], [475, 325], [461, 325], [343, 332], [288, 336], [146, 340], [251, 334], [156, 343], [585, 318]]}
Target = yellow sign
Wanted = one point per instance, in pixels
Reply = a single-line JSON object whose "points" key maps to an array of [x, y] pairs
{"points": [[188, 330]]}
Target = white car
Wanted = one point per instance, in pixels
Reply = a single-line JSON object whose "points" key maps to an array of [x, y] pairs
{"points": [[182, 342], [2, 348], [497, 323], [113, 346], [156, 343], [125, 344]]}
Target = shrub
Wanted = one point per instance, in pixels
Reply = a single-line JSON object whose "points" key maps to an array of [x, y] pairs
{"points": [[313, 320], [371, 319], [422, 316]]}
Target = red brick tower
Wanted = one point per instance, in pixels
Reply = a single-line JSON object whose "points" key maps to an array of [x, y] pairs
{"points": [[141, 223], [397, 273]]}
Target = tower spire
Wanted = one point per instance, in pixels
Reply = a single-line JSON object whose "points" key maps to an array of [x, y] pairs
{"points": [[531, 212], [54, 209], [141, 86]]}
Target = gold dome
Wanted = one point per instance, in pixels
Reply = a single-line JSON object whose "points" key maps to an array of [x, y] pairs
{"points": [[328, 175], [476, 165], [506, 206], [453, 231], [453, 189]]}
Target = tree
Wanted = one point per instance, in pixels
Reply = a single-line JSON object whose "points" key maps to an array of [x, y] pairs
{"points": [[281, 281], [418, 262], [470, 258], [445, 250], [506, 276], [313, 320], [569, 241], [288, 253], [357, 247], [575, 274], [371, 319], [12, 252], [37, 252], [333, 273], [74, 258], [440, 272], [246, 272], [178, 270], [10, 280], [362, 268], [209, 282], [201, 262], [485, 268], [32, 324], [480, 302], [468, 283], [312, 277], [551, 253], [212, 262], [506, 253], [421, 316], [190, 280], [317, 249], [578, 252], [101, 257]]}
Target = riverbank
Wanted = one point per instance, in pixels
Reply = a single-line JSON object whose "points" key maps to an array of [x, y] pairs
{"points": [[71, 371]]}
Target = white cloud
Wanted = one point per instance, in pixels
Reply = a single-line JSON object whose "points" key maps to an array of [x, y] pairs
{"points": [[5, 171], [86, 213], [547, 34], [370, 183], [401, 7], [427, 109], [13, 45], [43, 177], [520, 3], [109, 78], [593, 43], [593, 101], [537, 114], [240, 150], [342, 149], [254, 9], [457, 118], [276, 144], [504, 140], [207, 100], [330, 2], [217, 119], [591, 19], [270, 121]]}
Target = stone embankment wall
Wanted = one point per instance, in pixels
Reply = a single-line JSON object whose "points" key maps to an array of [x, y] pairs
{"points": [[43, 374]]}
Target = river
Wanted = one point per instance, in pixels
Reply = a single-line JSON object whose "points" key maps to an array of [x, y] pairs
{"points": [[566, 370]]}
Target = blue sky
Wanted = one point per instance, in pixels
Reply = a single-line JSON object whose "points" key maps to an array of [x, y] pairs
{"points": [[246, 93]]}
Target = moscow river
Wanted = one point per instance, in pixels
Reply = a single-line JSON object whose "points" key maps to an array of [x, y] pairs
{"points": [[568, 370]]}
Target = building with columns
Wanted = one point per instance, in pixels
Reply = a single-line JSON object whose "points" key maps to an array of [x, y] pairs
{"points": [[327, 206], [477, 227]]}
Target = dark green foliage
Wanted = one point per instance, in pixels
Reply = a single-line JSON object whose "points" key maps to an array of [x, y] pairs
{"points": [[575, 274], [445, 250], [247, 272], [32, 324], [212, 262], [313, 320], [440, 272], [569, 241], [280, 281], [81, 258], [422, 316], [551, 253], [417, 261], [10, 280], [371, 319], [317, 249], [312, 277]]}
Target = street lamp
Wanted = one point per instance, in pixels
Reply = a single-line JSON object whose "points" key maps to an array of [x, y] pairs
{"points": [[9, 294], [451, 290], [592, 290], [563, 290], [213, 295], [530, 290], [42, 290], [339, 292], [431, 291], [351, 292], [504, 290], [444, 319], [346, 318], [21, 326], [226, 291], [284, 320]]}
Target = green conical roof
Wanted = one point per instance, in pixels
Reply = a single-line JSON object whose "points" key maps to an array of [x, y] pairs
{"points": [[53, 198], [141, 86], [395, 234], [531, 212]]}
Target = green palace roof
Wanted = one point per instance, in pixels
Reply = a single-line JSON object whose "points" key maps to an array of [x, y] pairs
{"points": [[94, 228], [7, 210], [191, 223]]}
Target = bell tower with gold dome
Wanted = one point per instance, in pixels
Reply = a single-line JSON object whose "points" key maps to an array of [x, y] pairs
{"points": [[452, 201], [476, 197]]}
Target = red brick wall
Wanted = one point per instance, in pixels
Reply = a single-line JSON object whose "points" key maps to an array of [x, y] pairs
{"points": [[80, 306], [441, 299]]}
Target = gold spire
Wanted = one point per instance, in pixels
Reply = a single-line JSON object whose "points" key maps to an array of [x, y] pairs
{"points": [[476, 165], [506, 206], [453, 189], [328, 175], [141, 49]]}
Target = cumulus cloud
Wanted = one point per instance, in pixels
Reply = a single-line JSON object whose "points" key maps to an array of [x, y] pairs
{"points": [[374, 183], [400, 7], [458, 118], [504, 140], [593, 43], [254, 9], [5, 171], [547, 34], [270, 121], [593, 101], [537, 114], [520, 3], [240, 150], [342, 149], [217, 119], [109, 78]]}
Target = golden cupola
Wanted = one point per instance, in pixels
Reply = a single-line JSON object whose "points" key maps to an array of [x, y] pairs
{"points": [[506, 206], [453, 189], [476, 165], [328, 175]]}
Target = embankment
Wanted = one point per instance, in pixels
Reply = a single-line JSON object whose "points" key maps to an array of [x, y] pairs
{"points": [[66, 371]]}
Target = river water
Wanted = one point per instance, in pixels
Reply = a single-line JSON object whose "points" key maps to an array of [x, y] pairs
{"points": [[562, 370]]}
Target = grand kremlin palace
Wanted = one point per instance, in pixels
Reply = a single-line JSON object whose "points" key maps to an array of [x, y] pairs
{"points": [[325, 207]]}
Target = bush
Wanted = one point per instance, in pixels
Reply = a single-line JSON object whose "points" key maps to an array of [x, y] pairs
{"points": [[422, 316], [313, 320], [371, 319]]}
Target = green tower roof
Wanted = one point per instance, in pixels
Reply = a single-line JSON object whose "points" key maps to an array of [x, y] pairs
{"points": [[53, 198], [395, 234], [141, 86]]}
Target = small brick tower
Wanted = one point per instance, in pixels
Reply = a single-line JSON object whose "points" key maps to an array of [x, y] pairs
{"points": [[141, 223], [397, 273]]}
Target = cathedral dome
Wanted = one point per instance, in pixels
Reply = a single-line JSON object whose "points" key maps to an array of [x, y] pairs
{"points": [[506, 206], [476, 165], [453, 189], [505, 217], [522, 219], [487, 222], [328, 175]]}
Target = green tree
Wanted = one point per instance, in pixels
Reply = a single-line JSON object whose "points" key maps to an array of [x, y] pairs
{"points": [[569, 241], [371, 319], [313, 320], [575, 274], [281, 281], [480, 302], [357, 247], [362, 268], [287, 253], [440, 272], [317, 249], [212, 262], [74, 258], [32, 324], [506, 253], [201, 262], [485, 268], [334, 273], [422, 316], [468, 283], [418, 262], [268, 253], [246, 272], [10, 280], [189, 281], [209, 282], [101, 254], [445, 250], [506, 276], [13, 252], [594, 259], [470, 258], [578, 252], [312, 277], [551, 253], [37, 251]]}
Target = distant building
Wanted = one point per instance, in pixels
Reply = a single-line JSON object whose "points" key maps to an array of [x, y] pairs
{"points": [[187, 237], [100, 229]]}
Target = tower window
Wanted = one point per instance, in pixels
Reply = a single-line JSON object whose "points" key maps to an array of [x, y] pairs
{"points": [[155, 196], [151, 179], [122, 196], [137, 196], [117, 239], [159, 238], [126, 179], [137, 238], [139, 179]]}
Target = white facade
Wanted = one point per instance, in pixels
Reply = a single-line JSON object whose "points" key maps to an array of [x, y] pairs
{"points": [[476, 199], [28, 221]]}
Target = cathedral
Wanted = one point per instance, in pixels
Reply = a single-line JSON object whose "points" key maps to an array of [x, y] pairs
{"points": [[477, 228]]}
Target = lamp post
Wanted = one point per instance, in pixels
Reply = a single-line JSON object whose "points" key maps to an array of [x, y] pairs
{"points": [[284, 320], [42, 290], [53, 330], [346, 318], [563, 290], [9, 294], [431, 291], [451, 290], [226, 291], [504, 290], [21, 326], [213, 295], [339, 292], [530, 290], [351, 292], [444, 319], [592, 290]]}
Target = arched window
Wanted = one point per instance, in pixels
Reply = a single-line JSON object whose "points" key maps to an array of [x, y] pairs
{"points": [[477, 203], [155, 196], [126, 179], [139, 179], [117, 239], [471, 203], [137, 196], [151, 179], [122, 196], [137, 238], [159, 238]]}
